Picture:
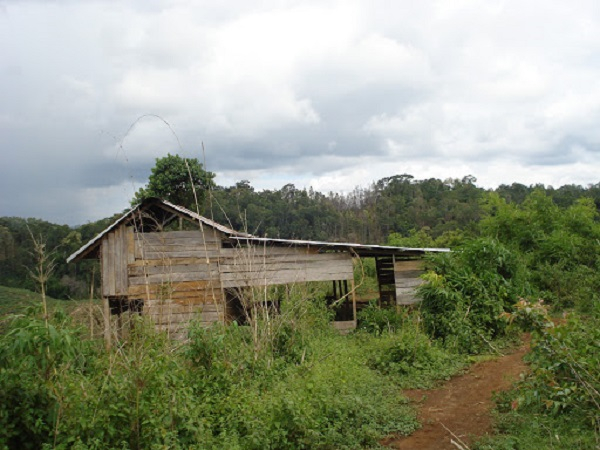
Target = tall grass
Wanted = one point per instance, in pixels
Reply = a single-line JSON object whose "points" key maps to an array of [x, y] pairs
{"points": [[316, 389]]}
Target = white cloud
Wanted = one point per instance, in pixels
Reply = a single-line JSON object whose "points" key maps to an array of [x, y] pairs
{"points": [[330, 93]]}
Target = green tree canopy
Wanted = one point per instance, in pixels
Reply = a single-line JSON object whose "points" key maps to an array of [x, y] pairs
{"points": [[177, 179]]}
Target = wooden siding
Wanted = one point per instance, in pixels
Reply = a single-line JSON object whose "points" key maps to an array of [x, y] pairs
{"points": [[181, 275], [263, 266], [407, 275], [176, 274], [116, 255]]}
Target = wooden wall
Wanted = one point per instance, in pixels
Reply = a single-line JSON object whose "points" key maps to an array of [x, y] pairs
{"points": [[181, 275], [176, 273], [117, 253], [266, 265], [407, 275]]}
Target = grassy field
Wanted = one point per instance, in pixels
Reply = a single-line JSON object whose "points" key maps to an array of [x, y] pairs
{"points": [[15, 301]]}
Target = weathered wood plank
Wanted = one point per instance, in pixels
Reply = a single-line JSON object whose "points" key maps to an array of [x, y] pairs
{"points": [[175, 277], [209, 307], [199, 266], [196, 298], [261, 250], [143, 247], [182, 304], [168, 262], [108, 256], [188, 286], [104, 266], [130, 245], [326, 266], [116, 260], [409, 265], [406, 295], [162, 236], [286, 257], [199, 300], [409, 283], [283, 278], [408, 274], [121, 261], [185, 318], [299, 271], [175, 310], [190, 253]]}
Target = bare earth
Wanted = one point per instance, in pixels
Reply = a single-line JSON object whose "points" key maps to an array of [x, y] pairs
{"points": [[460, 409]]}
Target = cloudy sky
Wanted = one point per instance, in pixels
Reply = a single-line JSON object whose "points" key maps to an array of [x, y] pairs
{"points": [[329, 94]]}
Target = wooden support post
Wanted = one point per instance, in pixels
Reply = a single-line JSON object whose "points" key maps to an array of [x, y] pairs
{"points": [[106, 314], [120, 334], [353, 294]]}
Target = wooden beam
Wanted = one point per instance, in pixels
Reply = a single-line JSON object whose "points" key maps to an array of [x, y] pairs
{"points": [[106, 316], [353, 294]]}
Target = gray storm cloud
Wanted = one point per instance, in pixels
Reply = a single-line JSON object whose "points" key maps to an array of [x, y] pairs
{"points": [[328, 94]]}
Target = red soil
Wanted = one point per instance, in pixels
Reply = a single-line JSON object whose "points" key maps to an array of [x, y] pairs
{"points": [[460, 409]]}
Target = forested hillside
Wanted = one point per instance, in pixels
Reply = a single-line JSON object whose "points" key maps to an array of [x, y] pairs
{"points": [[398, 210]]}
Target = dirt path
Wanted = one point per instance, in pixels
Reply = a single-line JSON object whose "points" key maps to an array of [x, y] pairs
{"points": [[461, 408]]}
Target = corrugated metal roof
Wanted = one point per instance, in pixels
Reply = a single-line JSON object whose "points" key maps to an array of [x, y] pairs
{"points": [[358, 248]]}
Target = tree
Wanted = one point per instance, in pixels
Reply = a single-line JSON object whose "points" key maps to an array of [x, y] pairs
{"points": [[181, 181]]}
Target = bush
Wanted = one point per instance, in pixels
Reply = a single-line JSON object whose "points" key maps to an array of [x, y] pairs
{"points": [[560, 393], [376, 320], [565, 363], [467, 291], [412, 358]]}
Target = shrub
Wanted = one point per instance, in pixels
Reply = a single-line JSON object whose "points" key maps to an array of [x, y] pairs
{"points": [[565, 363], [560, 392], [467, 291], [33, 356], [412, 358], [376, 320]]}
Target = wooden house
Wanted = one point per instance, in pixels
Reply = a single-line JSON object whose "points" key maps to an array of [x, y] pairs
{"points": [[151, 267]]}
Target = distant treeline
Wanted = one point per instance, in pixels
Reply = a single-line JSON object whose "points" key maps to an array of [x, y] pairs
{"points": [[397, 210], [400, 205]]}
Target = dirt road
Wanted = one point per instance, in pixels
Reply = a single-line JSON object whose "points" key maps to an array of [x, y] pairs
{"points": [[460, 409]]}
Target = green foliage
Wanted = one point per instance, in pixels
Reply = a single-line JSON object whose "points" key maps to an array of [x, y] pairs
{"points": [[314, 389], [416, 239], [66, 280], [365, 278], [293, 383], [560, 246], [16, 301], [530, 316], [181, 181], [565, 363], [466, 293], [557, 402], [413, 358], [526, 431], [32, 357], [376, 320]]}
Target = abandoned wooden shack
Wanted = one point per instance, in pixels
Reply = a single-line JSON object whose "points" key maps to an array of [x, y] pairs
{"points": [[151, 267]]}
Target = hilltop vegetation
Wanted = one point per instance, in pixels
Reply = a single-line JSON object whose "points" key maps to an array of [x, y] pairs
{"points": [[526, 258], [398, 210]]}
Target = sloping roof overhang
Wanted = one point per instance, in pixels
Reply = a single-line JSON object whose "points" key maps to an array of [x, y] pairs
{"points": [[150, 215], [363, 250]]}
